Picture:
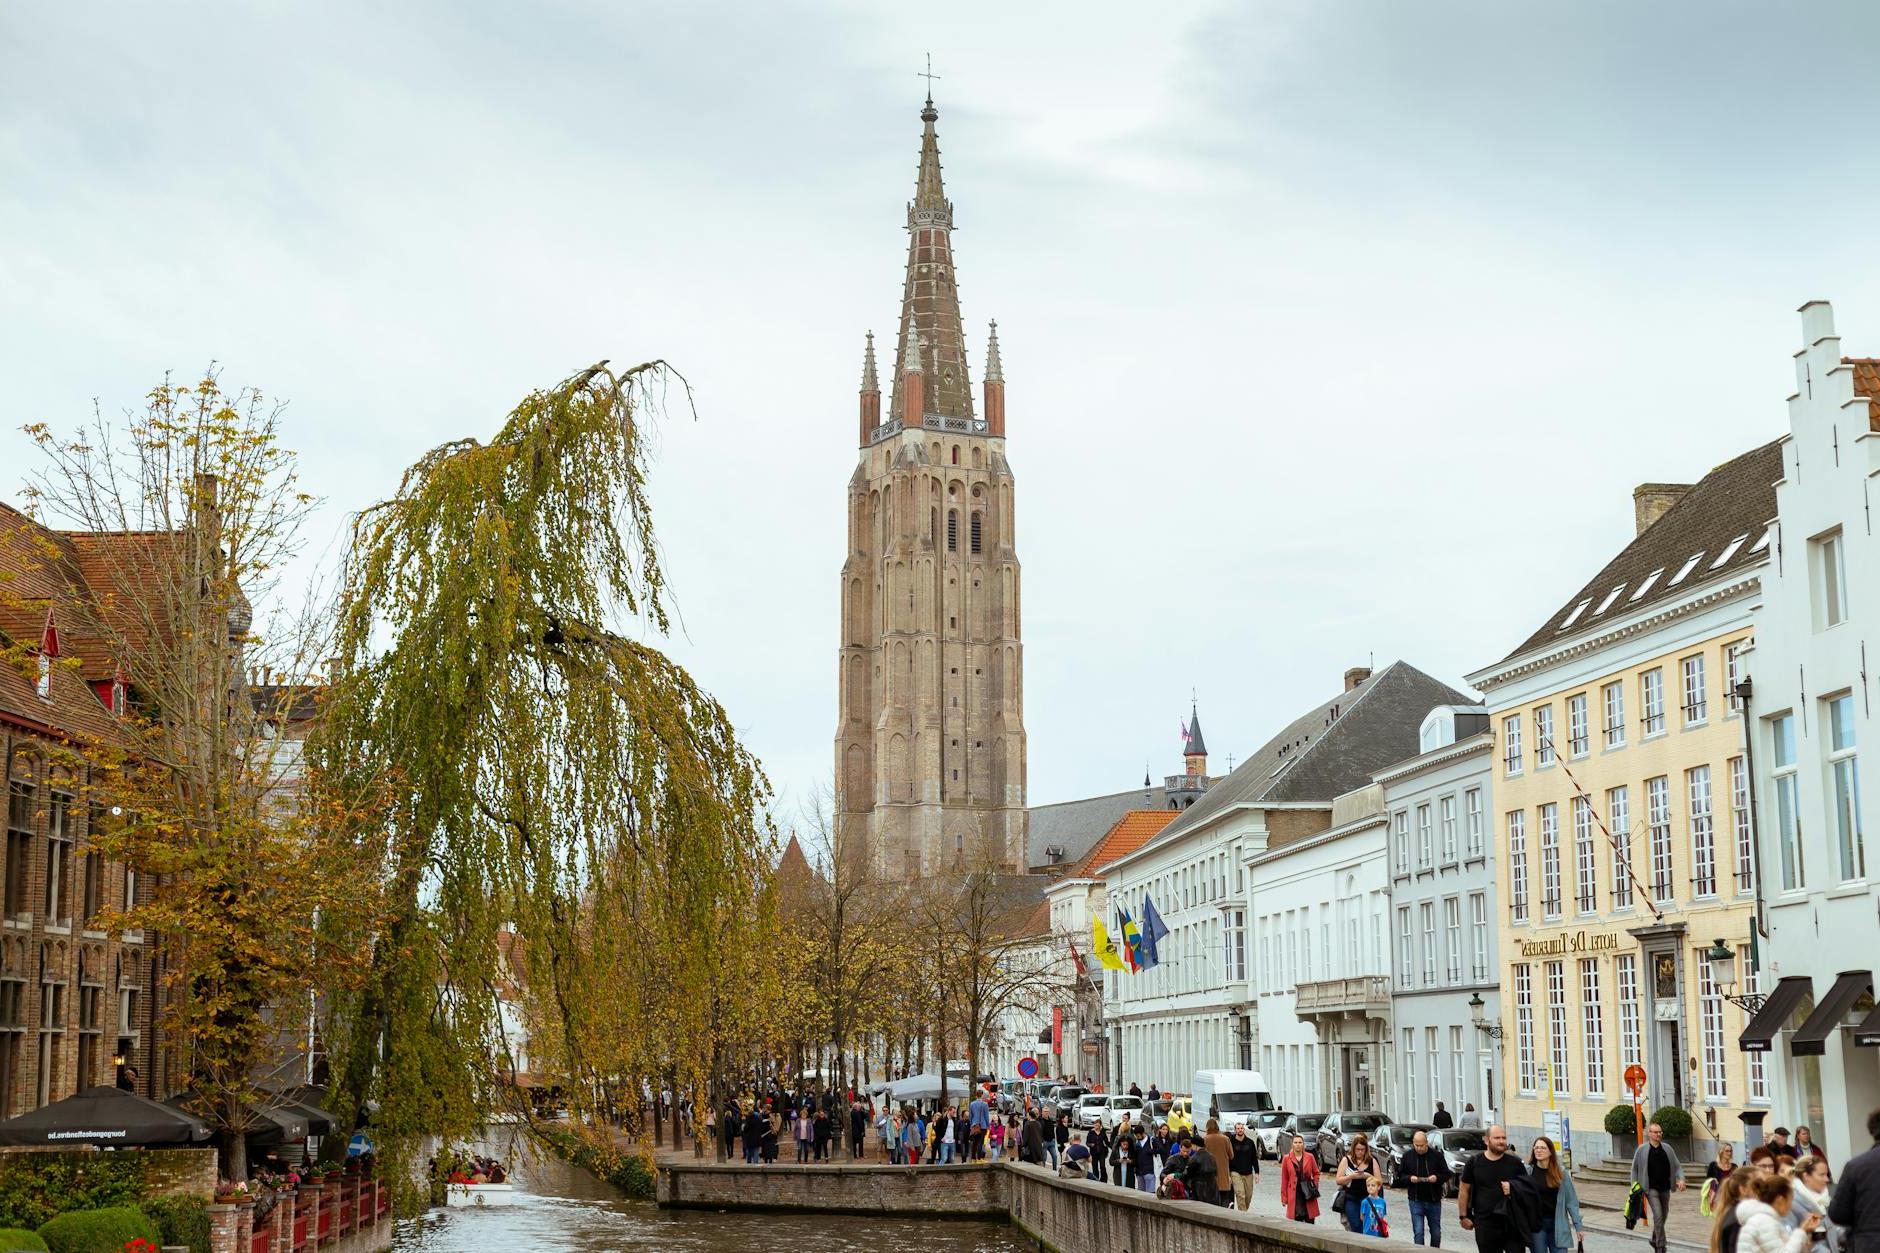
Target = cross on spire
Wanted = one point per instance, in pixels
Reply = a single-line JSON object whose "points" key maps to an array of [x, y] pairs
{"points": [[929, 75]]}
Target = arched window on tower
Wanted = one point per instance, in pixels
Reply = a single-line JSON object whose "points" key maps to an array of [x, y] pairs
{"points": [[953, 530], [975, 527], [956, 454]]}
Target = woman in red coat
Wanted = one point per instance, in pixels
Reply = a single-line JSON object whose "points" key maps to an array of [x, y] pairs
{"points": [[1295, 1168]]}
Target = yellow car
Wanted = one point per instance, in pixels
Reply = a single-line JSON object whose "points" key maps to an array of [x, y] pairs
{"points": [[1180, 1115]]}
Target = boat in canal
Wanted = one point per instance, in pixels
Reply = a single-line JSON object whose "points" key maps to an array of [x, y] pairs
{"points": [[472, 1195]]}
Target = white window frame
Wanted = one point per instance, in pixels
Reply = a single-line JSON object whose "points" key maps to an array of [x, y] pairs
{"points": [[1551, 899], [1525, 1071], [1740, 827], [1446, 821], [1456, 1050], [1545, 749], [1658, 829], [1517, 865], [1511, 752], [1592, 1029], [1406, 954], [1696, 695], [1710, 1033], [1472, 807], [1400, 838], [1478, 934], [1843, 786], [1651, 702], [1788, 801], [1426, 914], [1732, 676], [1410, 1066], [1828, 562], [1585, 859], [1612, 701], [1426, 837], [1579, 726], [1703, 831], [1619, 815], [1452, 938], [1630, 1045]]}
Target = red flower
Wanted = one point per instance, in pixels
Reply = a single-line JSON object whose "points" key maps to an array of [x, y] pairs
{"points": [[137, 1244]]}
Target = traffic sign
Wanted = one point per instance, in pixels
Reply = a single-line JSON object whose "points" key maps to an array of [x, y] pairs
{"points": [[1027, 1068], [1635, 1077]]}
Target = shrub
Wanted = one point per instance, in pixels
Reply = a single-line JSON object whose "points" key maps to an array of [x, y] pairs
{"points": [[20, 1240], [1620, 1121], [97, 1230], [37, 1187], [633, 1173], [181, 1220], [1675, 1120]]}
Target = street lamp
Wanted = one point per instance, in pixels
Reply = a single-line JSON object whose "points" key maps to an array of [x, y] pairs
{"points": [[1480, 1019], [1723, 977]]}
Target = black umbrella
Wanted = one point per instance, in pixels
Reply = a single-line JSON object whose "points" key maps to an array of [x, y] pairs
{"points": [[278, 1121], [104, 1115], [306, 1102]]}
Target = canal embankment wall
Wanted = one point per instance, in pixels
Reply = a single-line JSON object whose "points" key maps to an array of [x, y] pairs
{"points": [[1065, 1215]]}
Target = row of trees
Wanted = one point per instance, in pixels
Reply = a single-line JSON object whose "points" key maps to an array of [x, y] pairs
{"points": [[503, 783]]}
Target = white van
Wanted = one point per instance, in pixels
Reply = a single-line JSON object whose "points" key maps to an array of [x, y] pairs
{"points": [[1232, 1096]]}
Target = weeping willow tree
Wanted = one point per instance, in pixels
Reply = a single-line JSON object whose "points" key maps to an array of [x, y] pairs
{"points": [[547, 800]]}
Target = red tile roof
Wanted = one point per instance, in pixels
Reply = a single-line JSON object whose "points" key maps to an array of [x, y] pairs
{"points": [[1867, 383], [1131, 832]]}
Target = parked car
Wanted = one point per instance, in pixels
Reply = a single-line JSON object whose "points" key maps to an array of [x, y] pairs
{"points": [[1117, 1107], [1089, 1110], [1267, 1127], [1336, 1131], [1154, 1113], [1391, 1141], [1066, 1099], [1011, 1095], [1300, 1125], [1458, 1145], [1046, 1096]]}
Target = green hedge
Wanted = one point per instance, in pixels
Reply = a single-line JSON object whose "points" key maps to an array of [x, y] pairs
{"points": [[182, 1220], [1675, 1119], [632, 1174], [1620, 1121], [35, 1188], [19, 1240], [98, 1230]]}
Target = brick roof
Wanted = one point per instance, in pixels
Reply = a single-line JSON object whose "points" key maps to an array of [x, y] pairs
{"points": [[1131, 832], [39, 568], [1867, 383], [1713, 532]]}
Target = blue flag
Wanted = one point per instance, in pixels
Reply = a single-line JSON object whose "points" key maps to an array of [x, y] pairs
{"points": [[1153, 929]]}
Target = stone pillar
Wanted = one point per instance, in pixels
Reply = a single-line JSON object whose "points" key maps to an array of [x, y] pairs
{"points": [[307, 1202], [283, 1224], [222, 1228], [329, 1203], [244, 1225], [349, 1202]]}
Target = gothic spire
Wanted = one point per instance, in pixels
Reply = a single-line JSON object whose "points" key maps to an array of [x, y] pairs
{"points": [[869, 381], [1196, 747], [995, 370], [930, 302]]}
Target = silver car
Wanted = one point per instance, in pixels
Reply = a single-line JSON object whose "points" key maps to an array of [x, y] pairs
{"points": [[1089, 1111]]}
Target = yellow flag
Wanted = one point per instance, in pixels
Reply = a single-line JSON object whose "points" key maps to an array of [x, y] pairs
{"points": [[1104, 946]]}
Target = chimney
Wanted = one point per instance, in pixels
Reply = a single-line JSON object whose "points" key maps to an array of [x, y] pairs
{"points": [[1356, 675], [1652, 501]]}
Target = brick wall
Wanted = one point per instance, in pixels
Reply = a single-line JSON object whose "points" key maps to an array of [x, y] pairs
{"points": [[976, 1190], [166, 1172]]}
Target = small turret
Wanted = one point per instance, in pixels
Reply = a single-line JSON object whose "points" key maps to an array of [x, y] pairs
{"points": [[871, 392], [995, 385]]}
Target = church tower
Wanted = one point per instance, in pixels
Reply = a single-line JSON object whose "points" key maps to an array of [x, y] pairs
{"points": [[930, 742]]}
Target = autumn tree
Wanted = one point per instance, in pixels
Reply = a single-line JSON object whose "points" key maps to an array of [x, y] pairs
{"points": [[193, 506], [530, 764]]}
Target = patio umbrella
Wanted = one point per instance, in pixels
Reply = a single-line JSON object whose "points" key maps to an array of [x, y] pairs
{"points": [[104, 1115]]}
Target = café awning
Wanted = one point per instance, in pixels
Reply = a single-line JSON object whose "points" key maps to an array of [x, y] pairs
{"points": [[1811, 1039], [1760, 1035], [104, 1116], [1867, 1034]]}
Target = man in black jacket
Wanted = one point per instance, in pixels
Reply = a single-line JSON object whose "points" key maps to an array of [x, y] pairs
{"points": [[1423, 1173], [1856, 1204], [1492, 1196], [1441, 1119], [1200, 1174], [1031, 1142], [1243, 1165]]}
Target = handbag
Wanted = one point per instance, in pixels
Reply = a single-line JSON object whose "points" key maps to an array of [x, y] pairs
{"points": [[1307, 1187], [1338, 1200]]}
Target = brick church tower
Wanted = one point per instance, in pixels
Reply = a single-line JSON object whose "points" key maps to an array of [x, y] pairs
{"points": [[930, 743]]}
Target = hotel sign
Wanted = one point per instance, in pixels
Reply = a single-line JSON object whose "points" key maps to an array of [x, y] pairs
{"points": [[1570, 942]]}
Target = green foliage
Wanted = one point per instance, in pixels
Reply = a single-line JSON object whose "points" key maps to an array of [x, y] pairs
{"points": [[516, 759], [1621, 1122], [1675, 1120], [633, 1173], [97, 1230], [183, 1220], [37, 1187], [20, 1240]]}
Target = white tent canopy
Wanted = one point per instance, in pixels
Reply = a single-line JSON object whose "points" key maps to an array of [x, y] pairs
{"points": [[919, 1088]]}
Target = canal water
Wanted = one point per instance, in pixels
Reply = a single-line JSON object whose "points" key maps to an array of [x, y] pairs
{"points": [[564, 1208]]}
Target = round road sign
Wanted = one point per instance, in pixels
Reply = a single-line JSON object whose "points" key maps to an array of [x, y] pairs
{"points": [[1027, 1068]]}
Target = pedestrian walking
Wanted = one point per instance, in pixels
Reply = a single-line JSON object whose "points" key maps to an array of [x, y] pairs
{"points": [[1143, 1158], [1656, 1169], [1441, 1119], [979, 1121], [753, 1137], [1243, 1166], [803, 1131], [1760, 1219], [1855, 1207], [1061, 1134], [1299, 1182], [1201, 1174], [1423, 1174], [1098, 1141], [1031, 1143], [1373, 1210], [1811, 1196], [1735, 1186], [1558, 1213], [858, 1128], [1356, 1167], [1494, 1197], [1470, 1119], [995, 1140], [1222, 1151]]}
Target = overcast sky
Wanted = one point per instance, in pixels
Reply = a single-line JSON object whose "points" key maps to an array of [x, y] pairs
{"points": [[1331, 330]]}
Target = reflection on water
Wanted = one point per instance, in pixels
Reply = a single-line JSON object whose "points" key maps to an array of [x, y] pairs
{"points": [[567, 1209]]}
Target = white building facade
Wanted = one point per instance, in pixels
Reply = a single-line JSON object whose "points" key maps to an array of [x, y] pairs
{"points": [[1443, 919], [1814, 693]]}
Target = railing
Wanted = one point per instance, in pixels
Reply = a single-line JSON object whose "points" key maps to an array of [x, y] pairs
{"points": [[300, 1231], [931, 422], [263, 1238], [1362, 994]]}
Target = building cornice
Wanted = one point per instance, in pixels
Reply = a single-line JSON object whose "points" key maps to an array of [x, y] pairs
{"points": [[1480, 742], [1157, 845], [1742, 584], [1322, 838]]}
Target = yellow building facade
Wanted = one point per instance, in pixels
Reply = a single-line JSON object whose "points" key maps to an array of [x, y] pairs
{"points": [[1625, 838]]}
